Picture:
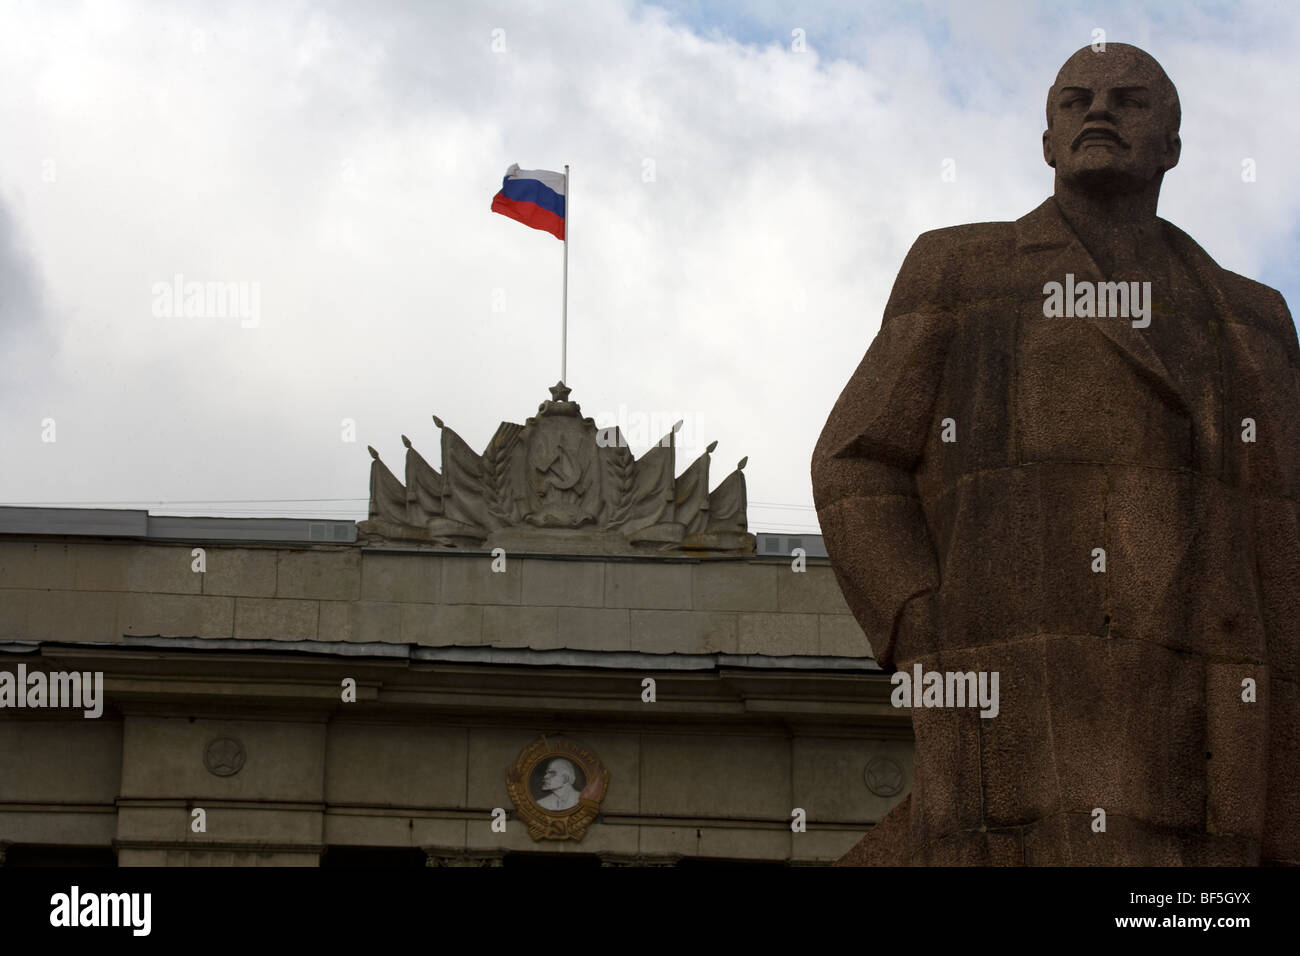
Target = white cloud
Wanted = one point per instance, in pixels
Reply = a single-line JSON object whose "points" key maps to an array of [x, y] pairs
{"points": [[344, 159]]}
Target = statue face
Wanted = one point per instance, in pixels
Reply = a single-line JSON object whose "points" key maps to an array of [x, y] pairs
{"points": [[556, 776], [1112, 126]]}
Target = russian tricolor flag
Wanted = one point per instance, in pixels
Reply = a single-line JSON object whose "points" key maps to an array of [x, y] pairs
{"points": [[534, 197]]}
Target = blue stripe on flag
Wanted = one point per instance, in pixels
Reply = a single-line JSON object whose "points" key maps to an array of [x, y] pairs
{"points": [[533, 191]]}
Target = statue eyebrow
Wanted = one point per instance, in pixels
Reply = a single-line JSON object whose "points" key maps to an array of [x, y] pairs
{"points": [[1066, 90]]}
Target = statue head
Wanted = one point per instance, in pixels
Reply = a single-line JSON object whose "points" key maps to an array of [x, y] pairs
{"points": [[1112, 121], [559, 772]]}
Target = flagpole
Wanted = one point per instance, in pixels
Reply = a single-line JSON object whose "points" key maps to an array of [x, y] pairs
{"points": [[564, 306]]}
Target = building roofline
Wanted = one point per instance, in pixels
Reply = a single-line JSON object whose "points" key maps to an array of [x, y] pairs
{"points": [[475, 654], [138, 523]]}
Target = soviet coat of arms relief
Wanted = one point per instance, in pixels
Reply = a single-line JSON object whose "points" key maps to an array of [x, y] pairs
{"points": [[558, 483]]}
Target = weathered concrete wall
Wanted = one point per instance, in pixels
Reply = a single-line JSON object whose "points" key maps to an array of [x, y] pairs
{"points": [[715, 769], [309, 784], [91, 591]]}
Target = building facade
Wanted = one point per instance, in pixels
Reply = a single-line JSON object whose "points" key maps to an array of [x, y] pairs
{"points": [[291, 692]]}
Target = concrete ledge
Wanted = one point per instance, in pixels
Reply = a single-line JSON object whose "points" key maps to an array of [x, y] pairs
{"points": [[120, 567], [472, 581], [840, 635], [648, 586], [595, 628], [734, 586], [322, 575], [32, 564], [68, 615], [442, 624], [176, 615], [563, 583], [407, 578], [243, 572], [556, 657], [686, 632], [777, 634], [521, 626], [812, 591], [276, 618]]}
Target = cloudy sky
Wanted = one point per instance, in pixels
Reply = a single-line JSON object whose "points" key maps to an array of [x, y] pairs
{"points": [[746, 179]]}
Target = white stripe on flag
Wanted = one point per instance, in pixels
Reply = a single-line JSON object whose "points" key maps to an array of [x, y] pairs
{"points": [[546, 176]]}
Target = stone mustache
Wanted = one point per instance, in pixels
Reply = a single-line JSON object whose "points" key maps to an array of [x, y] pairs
{"points": [[557, 483], [1103, 514]]}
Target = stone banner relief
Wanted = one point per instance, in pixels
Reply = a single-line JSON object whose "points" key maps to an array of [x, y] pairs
{"points": [[557, 483]]}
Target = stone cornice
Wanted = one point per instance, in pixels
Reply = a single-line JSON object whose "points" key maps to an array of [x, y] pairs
{"points": [[307, 687]]}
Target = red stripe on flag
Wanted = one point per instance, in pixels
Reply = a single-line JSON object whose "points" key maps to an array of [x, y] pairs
{"points": [[530, 214]]}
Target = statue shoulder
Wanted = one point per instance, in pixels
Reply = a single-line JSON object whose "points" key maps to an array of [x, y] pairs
{"points": [[1252, 303], [1253, 297], [948, 267], [966, 235], [1262, 307]]}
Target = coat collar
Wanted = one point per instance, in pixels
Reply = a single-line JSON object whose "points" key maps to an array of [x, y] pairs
{"points": [[1045, 233], [1045, 228]]}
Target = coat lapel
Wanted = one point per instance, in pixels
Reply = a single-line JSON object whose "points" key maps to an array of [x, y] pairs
{"points": [[1208, 273], [1050, 249]]}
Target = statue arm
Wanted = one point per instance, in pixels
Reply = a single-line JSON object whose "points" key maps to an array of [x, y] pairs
{"points": [[863, 468]]}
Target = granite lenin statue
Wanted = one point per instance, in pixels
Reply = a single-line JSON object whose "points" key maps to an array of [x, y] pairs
{"points": [[1071, 456]]}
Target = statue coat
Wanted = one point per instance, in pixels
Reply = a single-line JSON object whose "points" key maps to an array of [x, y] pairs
{"points": [[1121, 690]]}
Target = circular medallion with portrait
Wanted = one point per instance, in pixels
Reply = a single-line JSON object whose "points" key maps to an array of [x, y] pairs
{"points": [[557, 786]]}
